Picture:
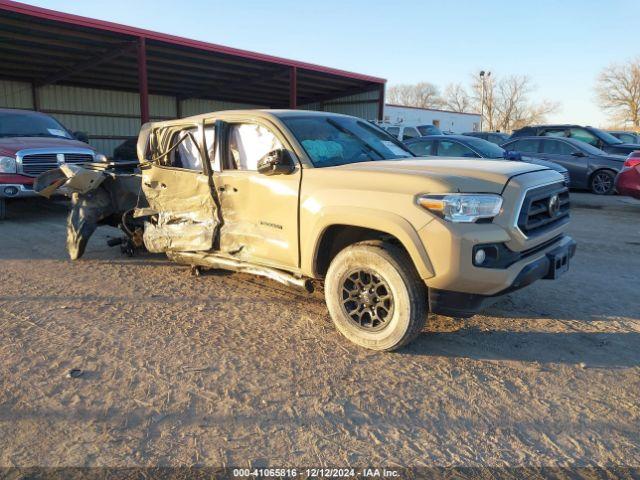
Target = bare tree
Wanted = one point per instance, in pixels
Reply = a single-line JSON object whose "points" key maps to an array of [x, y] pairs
{"points": [[456, 98], [618, 90], [423, 95], [506, 102]]}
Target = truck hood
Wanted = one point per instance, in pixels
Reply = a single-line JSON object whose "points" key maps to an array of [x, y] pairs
{"points": [[451, 174], [11, 145]]}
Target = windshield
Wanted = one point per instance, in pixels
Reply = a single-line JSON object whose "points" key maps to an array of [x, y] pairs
{"points": [[16, 124], [429, 130], [331, 141], [485, 148], [606, 137]]}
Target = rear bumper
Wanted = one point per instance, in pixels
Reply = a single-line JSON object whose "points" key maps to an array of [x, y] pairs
{"points": [[16, 190], [628, 183], [550, 266]]}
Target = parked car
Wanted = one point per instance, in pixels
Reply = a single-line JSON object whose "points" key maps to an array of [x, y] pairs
{"points": [[391, 236], [589, 167], [626, 136], [31, 143], [494, 137], [593, 136], [405, 132], [471, 147], [628, 180]]}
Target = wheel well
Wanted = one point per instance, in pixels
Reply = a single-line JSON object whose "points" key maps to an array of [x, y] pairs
{"points": [[337, 237], [603, 169]]}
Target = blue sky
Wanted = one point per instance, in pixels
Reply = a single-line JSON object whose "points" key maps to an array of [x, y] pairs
{"points": [[562, 45]]}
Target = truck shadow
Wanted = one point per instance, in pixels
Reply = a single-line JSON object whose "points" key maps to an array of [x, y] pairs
{"points": [[36, 209], [589, 350]]}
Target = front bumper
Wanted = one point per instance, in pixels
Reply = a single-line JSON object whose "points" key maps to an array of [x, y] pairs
{"points": [[553, 263], [16, 190]]}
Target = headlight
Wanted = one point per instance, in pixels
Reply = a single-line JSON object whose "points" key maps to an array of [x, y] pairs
{"points": [[462, 207], [99, 157], [7, 165]]}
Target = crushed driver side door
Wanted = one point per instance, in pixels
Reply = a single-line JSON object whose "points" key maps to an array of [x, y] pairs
{"points": [[182, 214]]}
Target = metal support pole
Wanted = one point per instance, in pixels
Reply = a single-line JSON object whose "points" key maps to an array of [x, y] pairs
{"points": [[381, 103], [143, 86], [293, 88]]}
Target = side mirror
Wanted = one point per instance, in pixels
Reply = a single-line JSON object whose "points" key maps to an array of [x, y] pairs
{"points": [[512, 155], [276, 162], [81, 136], [578, 154]]}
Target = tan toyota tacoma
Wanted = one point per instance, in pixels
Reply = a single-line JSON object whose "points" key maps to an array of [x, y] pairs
{"points": [[311, 198]]}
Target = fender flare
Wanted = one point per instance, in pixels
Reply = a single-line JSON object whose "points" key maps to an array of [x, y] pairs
{"points": [[373, 219]]}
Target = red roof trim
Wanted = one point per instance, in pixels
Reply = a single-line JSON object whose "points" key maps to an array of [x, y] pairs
{"points": [[45, 13], [430, 109]]}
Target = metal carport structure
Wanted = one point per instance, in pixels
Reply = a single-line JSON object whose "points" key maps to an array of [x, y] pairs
{"points": [[42, 48]]}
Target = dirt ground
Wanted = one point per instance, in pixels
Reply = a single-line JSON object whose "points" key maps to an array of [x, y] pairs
{"points": [[230, 370]]}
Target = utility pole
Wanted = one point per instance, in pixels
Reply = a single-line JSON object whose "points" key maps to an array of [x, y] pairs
{"points": [[482, 77]]}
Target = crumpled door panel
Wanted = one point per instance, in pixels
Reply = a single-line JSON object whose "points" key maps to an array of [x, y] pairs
{"points": [[186, 219]]}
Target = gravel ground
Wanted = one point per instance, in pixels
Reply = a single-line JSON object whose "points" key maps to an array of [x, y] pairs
{"points": [[230, 370]]}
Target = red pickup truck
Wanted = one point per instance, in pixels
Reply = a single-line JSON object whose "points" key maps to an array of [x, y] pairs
{"points": [[32, 143]]}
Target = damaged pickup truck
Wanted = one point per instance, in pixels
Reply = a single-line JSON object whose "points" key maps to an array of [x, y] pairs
{"points": [[309, 198]]}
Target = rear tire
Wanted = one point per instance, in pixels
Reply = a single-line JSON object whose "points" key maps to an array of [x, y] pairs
{"points": [[375, 296], [3, 208], [602, 182]]}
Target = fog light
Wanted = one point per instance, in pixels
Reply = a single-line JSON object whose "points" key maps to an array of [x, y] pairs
{"points": [[10, 191], [480, 256]]}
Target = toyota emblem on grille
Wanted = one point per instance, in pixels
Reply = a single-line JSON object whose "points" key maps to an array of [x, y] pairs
{"points": [[554, 206]]}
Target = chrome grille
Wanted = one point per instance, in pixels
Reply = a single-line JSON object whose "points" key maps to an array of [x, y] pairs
{"points": [[536, 217], [77, 158], [37, 163], [567, 179]]}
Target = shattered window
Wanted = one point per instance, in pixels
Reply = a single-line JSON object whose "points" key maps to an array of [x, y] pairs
{"points": [[187, 155], [248, 143]]}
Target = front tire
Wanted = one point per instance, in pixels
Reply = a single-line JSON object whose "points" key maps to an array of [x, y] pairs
{"points": [[602, 182], [375, 296]]}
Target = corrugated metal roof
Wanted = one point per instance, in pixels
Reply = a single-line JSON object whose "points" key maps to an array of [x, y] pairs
{"points": [[44, 46]]}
